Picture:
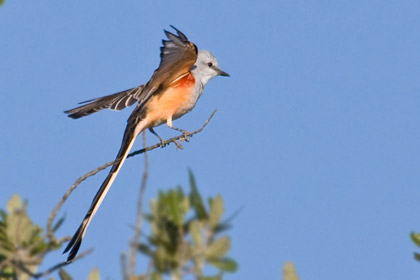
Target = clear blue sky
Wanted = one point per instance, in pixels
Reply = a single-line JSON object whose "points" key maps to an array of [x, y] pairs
{"points": [[317, 134]]}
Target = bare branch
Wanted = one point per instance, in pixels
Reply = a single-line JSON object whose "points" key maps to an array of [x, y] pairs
{"points": [[53, 214], [23, 268], [137, 229], [124, 266]]}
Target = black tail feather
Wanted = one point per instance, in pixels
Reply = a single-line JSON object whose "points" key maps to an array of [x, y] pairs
{"points": [[76, 241], [77, 238]]}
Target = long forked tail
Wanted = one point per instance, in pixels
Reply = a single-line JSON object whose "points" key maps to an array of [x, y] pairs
{"points": [[130, 135]]}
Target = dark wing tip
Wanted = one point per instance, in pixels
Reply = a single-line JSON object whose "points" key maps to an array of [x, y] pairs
{"points": [[88, 101], [168, 33], [180, 34], [74, 114]]}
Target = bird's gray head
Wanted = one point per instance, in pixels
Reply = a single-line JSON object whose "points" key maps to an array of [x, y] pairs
{"points": [[206, 67]]}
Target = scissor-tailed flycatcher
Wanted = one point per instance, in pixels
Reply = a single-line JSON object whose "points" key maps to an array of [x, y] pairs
{"points": [[171, 92]]}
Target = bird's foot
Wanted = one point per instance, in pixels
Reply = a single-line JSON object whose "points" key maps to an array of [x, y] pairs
{"points": [[163, 144], [186, 135]]}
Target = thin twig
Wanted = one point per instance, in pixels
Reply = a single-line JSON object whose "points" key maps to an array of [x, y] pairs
{"points": [[53, 214], [22, 266], [139, 222], [124, 266]]}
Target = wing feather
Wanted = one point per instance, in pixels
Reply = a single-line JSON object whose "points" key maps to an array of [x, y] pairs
{"points": [[177, 55], [116, 101]]}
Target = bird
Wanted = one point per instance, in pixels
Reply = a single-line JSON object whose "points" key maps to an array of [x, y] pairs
{"points": [[171, 92]]}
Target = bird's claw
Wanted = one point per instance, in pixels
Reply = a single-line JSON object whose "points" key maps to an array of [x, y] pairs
{"points": [[186, 136], [163, 144]]}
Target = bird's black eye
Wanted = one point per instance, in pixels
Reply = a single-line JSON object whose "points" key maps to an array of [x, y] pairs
{"points": [[210, 64]]}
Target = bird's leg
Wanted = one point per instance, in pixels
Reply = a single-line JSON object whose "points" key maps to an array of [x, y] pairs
{"points": [[157, 135]]}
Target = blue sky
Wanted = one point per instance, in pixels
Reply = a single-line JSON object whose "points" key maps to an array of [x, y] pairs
{"points": [[316, 138]]}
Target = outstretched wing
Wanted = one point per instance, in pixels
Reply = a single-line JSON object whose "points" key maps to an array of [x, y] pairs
{"points": [[116, 101], [177, 56]]}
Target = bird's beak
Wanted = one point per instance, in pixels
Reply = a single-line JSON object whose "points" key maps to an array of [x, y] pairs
{"points": [[222, 73]]}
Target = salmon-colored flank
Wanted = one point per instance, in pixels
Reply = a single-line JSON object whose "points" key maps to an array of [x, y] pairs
{"points": [[174, 101]]}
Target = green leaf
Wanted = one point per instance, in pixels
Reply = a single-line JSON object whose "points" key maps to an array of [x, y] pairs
{"points": [[3, 236], [195, 199], [196, 234], [417, 256], [64, 275], [94, 274], [156, 276], [14, 204], [148, 217], [3, 215], [154, 207], [1, 2], [144, 248], [58, 224], [20, 230], [416, 238], [218, 248], [221, 227], [289, 271], [175, 201], [216, 211], [179, 191], [217, 277], [225, 264]]}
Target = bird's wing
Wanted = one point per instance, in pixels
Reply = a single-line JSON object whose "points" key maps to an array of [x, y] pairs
{"points": [[177, 56], [116, 101]]}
